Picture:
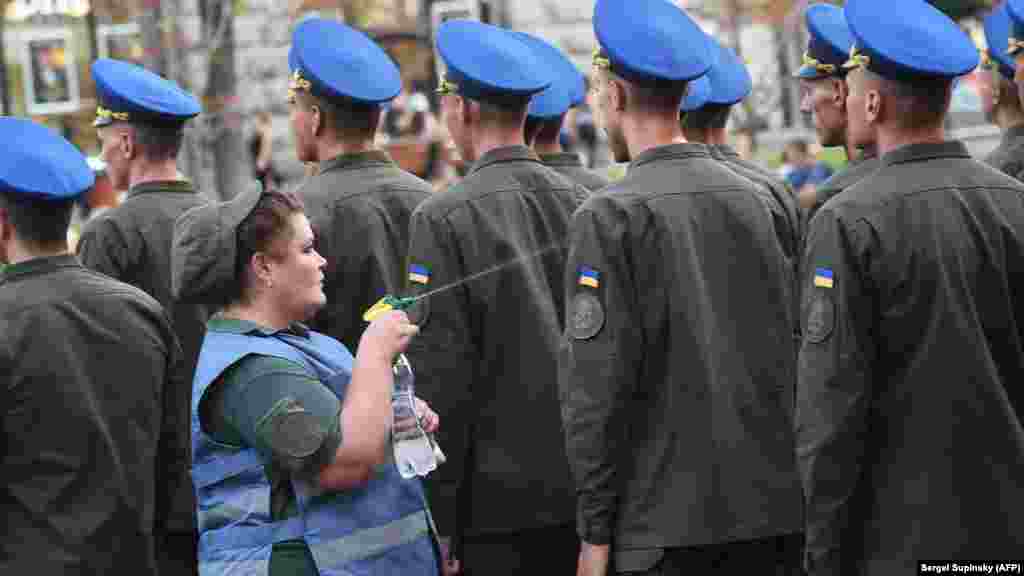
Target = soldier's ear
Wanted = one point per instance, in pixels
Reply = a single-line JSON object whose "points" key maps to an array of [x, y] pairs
{"points": [[6, 231], [873, 106], [839, 92], [126, 143], [316, 123], [618, 94], [470, 111]]}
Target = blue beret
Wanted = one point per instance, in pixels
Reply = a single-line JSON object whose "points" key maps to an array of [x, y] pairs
{"points": [[697, 94], [566, 86], [913, 40], [649, 41], [829, 44], [131, 93], [490, 64], [730, 80], [339, 62], [997, 35], [43, 165], [293, 60], [1015, 9]]}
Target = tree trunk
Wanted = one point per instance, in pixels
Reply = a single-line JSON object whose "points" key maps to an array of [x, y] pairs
{"points": [[782, 44], [154, 52], [223, 120], [5, 101]]}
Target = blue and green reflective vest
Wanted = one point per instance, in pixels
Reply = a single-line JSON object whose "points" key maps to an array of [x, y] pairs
{"points": [[382, 527]]}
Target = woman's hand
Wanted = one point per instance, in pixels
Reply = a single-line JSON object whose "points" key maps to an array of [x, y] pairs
{"points": [[427, 417], [387, 336]]}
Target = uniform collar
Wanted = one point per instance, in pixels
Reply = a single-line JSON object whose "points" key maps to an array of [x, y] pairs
{"points": [[515, 153], [727, 151], [1013, 133], [38, 266], [179, 186], [235, 326], [357, 160], [921, 152], [671, 152], [562, 159], [864, 157]]}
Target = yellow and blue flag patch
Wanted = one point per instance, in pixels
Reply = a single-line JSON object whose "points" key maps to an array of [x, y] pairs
{"points": [[589, 277], [823, 277], [419, 274]]}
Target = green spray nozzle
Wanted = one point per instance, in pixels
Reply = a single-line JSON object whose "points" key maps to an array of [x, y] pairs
{"points": [[388, 303]]}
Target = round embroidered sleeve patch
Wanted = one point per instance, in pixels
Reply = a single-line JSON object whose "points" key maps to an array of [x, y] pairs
{"points": [[586, 316], [821, 317]]}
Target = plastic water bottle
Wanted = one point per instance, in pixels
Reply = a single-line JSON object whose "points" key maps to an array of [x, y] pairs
{"points": [[416, 454]]}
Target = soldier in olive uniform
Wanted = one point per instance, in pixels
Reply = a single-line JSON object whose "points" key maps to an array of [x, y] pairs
{"points": [[90, 367], [546, 115], [823, 86], [678, 365], [360, 201], [910, 446], [140, 120], [492, 246], [1015, 43], [999, 97], [728, 83]]}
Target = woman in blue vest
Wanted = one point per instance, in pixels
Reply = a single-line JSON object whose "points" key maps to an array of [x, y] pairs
{"points": [[290, 433]]}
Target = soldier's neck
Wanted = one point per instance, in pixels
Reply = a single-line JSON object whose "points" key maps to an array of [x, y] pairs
{"points": [[892, 137], [328, 149], [716, 137], [645, 131], [18, 251], [545, 146], [709, 136], [143, 171], [493, 137], [1007, 117]]}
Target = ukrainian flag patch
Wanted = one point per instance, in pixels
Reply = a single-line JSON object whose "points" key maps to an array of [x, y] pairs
{"points": [[419, 274], [823, 277], [589, 277]]}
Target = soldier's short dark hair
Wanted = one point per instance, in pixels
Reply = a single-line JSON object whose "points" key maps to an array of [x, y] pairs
{"points": [[38, 222], [922, 101], [707, 117], [654, 94], [659, 94], [158, 142], [347, 119], [536, 128]]}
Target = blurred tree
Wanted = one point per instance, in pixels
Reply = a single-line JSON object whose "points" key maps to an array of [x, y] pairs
{"points": [[223, 121]]}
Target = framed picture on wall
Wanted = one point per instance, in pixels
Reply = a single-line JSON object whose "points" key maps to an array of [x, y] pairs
{"points": [[51, 76], [121, 42]]}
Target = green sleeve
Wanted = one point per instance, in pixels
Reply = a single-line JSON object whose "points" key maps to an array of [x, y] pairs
{"points": [[276, 407], [103, 248]]}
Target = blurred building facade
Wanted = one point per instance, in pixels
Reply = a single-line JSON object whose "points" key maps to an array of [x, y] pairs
{"points": [[48, 45]]}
